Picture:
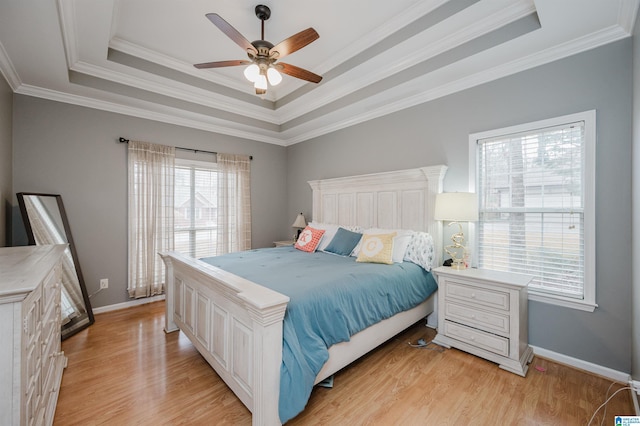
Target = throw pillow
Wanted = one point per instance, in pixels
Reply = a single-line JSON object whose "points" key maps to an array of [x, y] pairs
{"points": [[309, 239], [376, 248], [343, 242]]}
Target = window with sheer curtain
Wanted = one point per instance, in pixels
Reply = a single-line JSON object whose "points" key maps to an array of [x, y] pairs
{"points": [[212, 206], [536, 191], [198, 208], [151, 194]]}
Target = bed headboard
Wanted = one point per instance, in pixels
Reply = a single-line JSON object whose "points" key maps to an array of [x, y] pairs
{"points": [[400, 199]]}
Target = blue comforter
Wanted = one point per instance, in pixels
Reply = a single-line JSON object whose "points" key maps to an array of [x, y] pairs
{"points": [[331, 298]]}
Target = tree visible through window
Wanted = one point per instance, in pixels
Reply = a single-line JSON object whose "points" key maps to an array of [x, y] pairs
{"points": [[196, 207], [536, 210]]}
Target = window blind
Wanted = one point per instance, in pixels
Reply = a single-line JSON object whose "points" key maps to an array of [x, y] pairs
{"points": [[196, 204], [532, 206]]}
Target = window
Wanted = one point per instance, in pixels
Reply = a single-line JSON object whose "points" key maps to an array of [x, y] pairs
{"points": [[536, 190], [196, 184]]}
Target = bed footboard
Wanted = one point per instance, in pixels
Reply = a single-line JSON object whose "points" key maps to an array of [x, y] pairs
{"points": [[235, 324]]}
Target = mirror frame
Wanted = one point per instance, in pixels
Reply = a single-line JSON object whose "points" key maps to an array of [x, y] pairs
{"points": [[72, 248]]}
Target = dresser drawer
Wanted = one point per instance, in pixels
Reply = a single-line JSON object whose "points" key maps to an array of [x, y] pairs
{"points": [[51, 286], [477, 295], [477, 338], [488, 321]]}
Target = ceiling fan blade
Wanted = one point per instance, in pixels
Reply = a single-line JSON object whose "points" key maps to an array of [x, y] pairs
{"points": [[294, 43], [231, 32], [298, 72], [220, 64]]}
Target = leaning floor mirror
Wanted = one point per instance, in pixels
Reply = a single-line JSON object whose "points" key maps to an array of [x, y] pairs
{"points": [[46, 222]]}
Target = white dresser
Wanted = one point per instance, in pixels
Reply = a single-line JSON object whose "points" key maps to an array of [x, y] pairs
{"points": [[485, 313], [31, 362]]}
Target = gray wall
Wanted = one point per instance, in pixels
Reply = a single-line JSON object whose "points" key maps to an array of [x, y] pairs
{"points": [[6, 187], [437, 132], [73, 151], [635, 184]]}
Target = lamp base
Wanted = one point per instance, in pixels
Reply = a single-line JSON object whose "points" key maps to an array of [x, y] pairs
{"points": [[458, 264]]}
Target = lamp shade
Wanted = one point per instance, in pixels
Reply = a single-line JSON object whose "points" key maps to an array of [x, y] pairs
{"points": [[252, 72], [300, 222], [456, 207], [273, 76]]}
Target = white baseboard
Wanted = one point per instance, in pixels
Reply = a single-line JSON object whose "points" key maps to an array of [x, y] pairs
{"points": [[128, 304], [618, 376]]}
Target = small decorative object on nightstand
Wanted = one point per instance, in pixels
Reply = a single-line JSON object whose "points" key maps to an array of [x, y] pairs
{"points": [[283, 243], [484, 313]]}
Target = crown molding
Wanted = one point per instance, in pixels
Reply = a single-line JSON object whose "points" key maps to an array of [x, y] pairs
{"points": [[380, 105], [627, 14], [388, 101], [163, 115], [133, 49], [8, 71], [66, 16], [180, 91], [404, 55]]}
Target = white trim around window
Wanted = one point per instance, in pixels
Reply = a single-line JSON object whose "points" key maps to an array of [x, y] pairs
{"points": [[587, 301]]}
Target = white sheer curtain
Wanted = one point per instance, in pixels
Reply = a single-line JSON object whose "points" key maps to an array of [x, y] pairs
{"points": [[151, 183], [234, 203]]}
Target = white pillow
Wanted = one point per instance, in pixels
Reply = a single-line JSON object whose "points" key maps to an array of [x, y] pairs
{"points": [[420, 250], [330, 232], [400, 241]]}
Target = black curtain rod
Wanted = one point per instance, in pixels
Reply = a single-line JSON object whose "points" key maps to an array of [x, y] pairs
{"points": [[123, 140]]}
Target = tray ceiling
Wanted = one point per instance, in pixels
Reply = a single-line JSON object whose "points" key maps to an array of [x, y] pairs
{"points": [[136, 57]]}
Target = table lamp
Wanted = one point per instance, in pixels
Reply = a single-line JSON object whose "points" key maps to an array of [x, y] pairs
{"points": [[457, 207], [299, 223]]}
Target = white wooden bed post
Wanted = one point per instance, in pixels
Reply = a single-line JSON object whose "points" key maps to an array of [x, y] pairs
{"points": [[169, 324], [267, 345]]}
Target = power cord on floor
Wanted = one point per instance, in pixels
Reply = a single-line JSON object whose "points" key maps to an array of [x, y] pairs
{"points": [[422, 344], [604, 404], [95, 292]]}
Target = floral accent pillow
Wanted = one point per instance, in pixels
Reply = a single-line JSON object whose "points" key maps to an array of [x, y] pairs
{"points": [[309, 239], [420, 250]]}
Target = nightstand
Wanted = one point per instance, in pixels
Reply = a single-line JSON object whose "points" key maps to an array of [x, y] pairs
{"points": [[284, 243], [484, 313]]}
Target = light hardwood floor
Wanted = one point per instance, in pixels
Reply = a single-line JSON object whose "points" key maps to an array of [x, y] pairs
{"points": [[124, 370]]}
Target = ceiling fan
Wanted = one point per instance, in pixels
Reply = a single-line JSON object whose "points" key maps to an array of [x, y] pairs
{"points": [[263, 54]]}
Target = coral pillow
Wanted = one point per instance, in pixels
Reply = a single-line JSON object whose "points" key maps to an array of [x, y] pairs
{"points": [[377, 248], [309, 239]]}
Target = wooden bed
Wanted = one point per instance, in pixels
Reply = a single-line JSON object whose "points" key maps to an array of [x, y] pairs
{"points": [[237, 325]]}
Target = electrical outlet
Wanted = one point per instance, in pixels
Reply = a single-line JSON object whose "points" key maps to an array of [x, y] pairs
{"points": [[104, 283]]}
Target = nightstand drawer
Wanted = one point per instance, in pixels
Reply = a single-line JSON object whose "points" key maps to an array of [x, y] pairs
{"points": [[477, 295], [477, 338], [487, 321]]}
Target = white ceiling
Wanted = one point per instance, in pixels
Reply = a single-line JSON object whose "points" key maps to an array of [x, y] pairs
{"points": [[135, 56]]}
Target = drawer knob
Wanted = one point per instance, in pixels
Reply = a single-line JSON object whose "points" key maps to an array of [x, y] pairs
{"points": [[473, 316], [473, 295]]}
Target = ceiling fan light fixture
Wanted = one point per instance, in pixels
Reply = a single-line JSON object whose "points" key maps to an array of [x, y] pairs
{"points": [[252, 72], [260, 83], [261, 69], [274, 76]]}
